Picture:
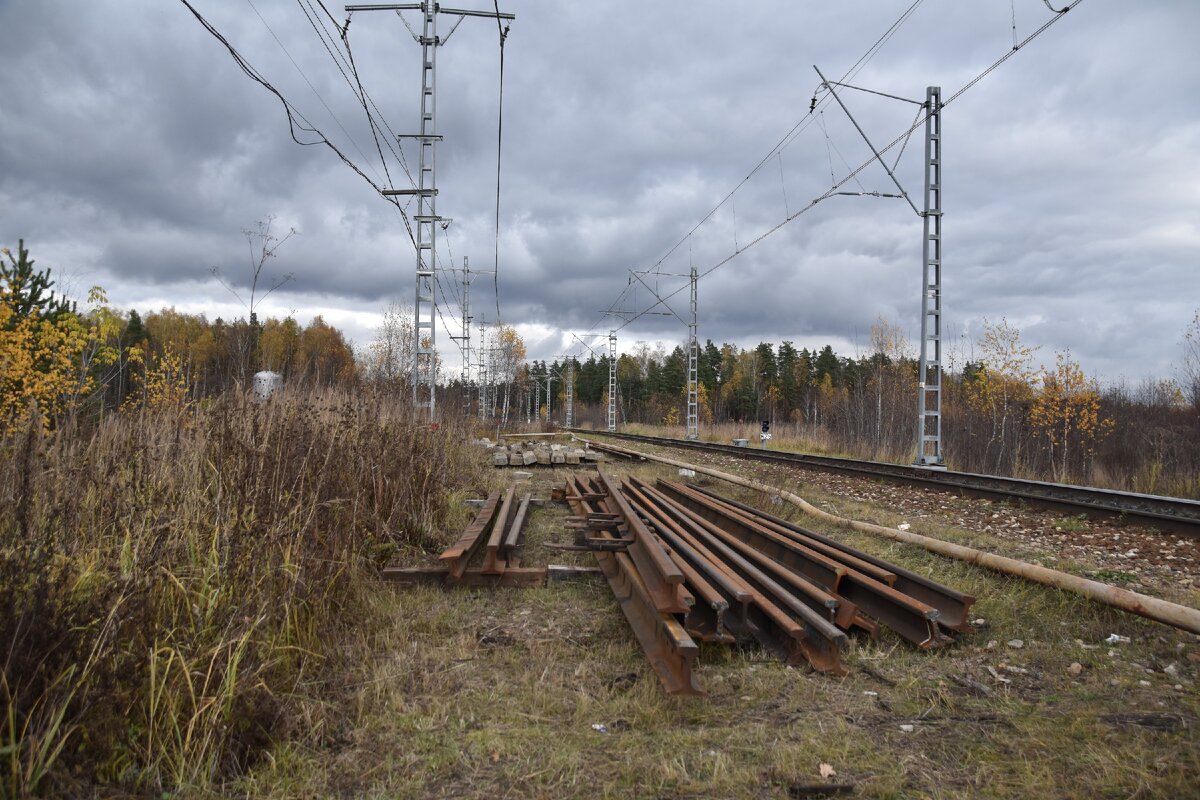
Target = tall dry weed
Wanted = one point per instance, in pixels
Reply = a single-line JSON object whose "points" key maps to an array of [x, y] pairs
{"points": [[171, 578]]}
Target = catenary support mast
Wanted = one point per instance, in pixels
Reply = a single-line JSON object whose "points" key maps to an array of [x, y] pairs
{"points": [[693, 373], [425, 358], [929, 381], [612, 381]]}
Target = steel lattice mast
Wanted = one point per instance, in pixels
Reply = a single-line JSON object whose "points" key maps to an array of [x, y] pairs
{"points": [[612, 381], [693, 370], [570, 413], [425, 311], [929, 381]]}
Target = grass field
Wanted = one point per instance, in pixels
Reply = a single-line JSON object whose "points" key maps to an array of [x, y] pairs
{"points": [[497, 693]]}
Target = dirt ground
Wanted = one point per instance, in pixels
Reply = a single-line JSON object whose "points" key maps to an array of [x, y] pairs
{"points": [[545, 692]]}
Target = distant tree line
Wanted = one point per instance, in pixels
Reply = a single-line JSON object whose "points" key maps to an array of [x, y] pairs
{"points": [[1002, 413], [63, 360]]}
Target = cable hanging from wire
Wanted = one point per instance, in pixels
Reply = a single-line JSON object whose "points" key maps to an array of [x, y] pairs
{"points": [[360, 93], [320, 99]]}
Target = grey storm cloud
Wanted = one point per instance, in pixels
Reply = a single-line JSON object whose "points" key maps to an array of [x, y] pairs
{"points": [[134, 151]]}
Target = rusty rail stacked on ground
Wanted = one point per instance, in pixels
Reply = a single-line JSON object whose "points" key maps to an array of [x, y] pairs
{"points": [[496, 532], [648, 584], [744, 575]]}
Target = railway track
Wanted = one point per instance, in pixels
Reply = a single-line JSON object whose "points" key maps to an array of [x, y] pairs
{"points": [[1168, 513]]}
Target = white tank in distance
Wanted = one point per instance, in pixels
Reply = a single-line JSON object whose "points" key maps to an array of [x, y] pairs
{"points": [[266, 383]]}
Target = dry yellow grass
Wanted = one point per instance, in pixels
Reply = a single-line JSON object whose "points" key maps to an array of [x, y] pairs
{"points": [[494, 694]]}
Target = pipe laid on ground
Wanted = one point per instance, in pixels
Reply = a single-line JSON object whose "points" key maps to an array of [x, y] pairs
{"points": [[1169, 613]]}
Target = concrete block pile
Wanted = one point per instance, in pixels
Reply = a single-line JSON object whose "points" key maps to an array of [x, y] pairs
{"points": [[527, 454]]}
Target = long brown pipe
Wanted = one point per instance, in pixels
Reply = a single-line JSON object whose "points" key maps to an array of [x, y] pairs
{"points": [[1169, 613]]}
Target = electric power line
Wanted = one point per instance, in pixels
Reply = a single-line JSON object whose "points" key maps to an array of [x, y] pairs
{"points": [[334, 116], [787, 139], [293, 114], [903, 137], [499, 142]]}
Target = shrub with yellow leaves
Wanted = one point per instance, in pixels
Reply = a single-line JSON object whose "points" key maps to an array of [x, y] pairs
{"points": [[41, 341]]}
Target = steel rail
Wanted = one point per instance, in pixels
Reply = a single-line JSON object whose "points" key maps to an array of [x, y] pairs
{"points": [[704, 620], [953, 606], [512, 539], [493, 564], [750, 614], [459, 554], [1168, 513], [663, 579], [821, 642], [1154, 608], [912, 619], [671, 651]]}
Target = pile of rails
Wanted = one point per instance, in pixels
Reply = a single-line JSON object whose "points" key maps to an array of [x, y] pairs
{"points": [[685, 563], [500, 524], [498, 533]]}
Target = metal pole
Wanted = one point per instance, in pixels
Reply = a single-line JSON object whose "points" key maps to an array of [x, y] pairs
{"points": [[612, 381], [426, 217], [929, 379], [570, 417], [482, 371], [425, 352], [466, 326], [693, 375]]}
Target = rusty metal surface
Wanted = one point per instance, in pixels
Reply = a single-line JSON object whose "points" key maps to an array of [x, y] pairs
{"points": [[671, 651], [700, 557], [460, 553], [691, 565], [953, 606], [705, 619], [817, 567], [797, 572], [515, 536], [822, 642], [493, 564], [912, 619], [663, 579], [512, 577]]}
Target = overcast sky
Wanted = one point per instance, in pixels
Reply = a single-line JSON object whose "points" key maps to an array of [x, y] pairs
{"points": [[133, 151]]}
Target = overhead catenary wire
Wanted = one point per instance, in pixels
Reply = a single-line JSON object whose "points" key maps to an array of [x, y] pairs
{"points": [[343, 30], [445, 325], [321, 33], [360, 93], [852, 175], [293, 114], [321, 99], [788, 138]]}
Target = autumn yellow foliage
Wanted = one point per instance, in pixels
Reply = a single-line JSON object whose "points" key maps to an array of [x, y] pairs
{"points": [[157, 380], [1067, 414], [39, 362]]}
